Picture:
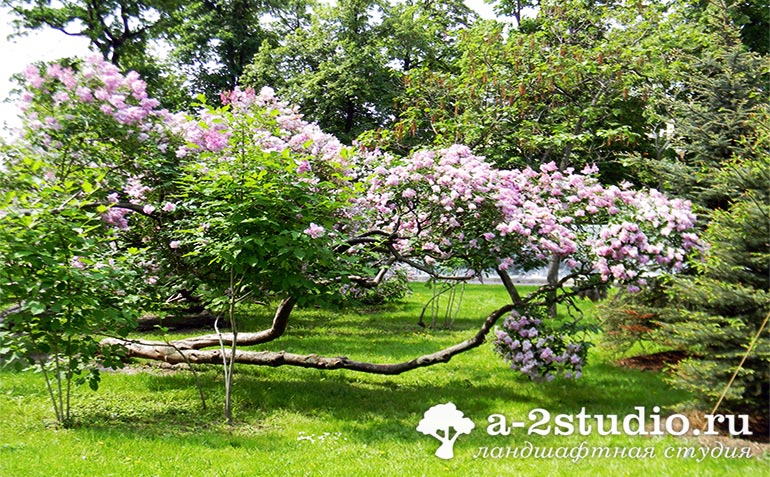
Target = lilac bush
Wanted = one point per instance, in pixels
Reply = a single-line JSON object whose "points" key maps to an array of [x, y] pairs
{"points": [[449, 204], [250, 200]]}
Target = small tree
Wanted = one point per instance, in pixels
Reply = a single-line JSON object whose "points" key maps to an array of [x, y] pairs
{"points": [[61, 285], [440, 421]]}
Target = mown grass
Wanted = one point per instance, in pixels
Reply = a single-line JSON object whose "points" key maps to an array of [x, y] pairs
{"points": [[296, 422]]}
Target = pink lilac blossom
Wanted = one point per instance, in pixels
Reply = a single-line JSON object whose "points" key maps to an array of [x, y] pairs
{"points": [[524, 217], [123, 98], [282, 129], [116, 217], [315, 230], [32, 75], [135, 189], [439, 204]]}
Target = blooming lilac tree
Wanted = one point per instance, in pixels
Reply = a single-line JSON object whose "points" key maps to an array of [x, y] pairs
{"points": [[250, 201]]}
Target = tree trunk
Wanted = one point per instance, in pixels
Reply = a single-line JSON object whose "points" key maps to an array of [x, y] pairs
{"points": [[510, 287], [180, 352], [191, 319], [553, 280]]}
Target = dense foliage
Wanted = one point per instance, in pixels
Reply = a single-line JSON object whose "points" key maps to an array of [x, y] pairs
{"points": [[112, 205], [718, 157], [715, 315], [249, 201]]}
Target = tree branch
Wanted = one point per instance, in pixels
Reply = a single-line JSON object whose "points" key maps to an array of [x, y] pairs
{"points": [[173, 355], [160, 350]]}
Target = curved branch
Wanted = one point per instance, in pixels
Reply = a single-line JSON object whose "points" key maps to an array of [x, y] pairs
{"points": [[429, 271], [159, 350], [282, 358]]}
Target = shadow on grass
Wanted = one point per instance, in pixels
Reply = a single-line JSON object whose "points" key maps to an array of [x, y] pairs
{"points": [[367, 408]]}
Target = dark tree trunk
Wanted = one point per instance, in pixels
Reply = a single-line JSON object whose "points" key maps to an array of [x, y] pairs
{"points": [[189, 319]]}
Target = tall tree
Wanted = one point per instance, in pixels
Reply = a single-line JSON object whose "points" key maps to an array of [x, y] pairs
{"points": [[711, 90], [335, 70], [715, 314], [750, 19], [424, 33], [119, 29], [214, 40], [566, 91], [514, 8]]}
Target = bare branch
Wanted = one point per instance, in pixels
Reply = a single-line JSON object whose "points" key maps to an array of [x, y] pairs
{"points": [[159, 350], [173, 355]]}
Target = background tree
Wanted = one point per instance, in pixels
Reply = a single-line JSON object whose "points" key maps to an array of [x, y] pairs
{"points": [[213, 41], [717, 154], [335, 70], [514, 8], [424, 33], [751, 18], [564, 91], [712, 90]]}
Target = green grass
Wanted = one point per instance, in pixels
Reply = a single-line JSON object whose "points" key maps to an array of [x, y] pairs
{"points": [[151, 423]]}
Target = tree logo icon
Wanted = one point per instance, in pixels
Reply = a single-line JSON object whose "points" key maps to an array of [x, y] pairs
{"points": [[445, 422]]}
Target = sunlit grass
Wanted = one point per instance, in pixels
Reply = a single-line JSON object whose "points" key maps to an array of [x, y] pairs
{"points": [[295, 422]]}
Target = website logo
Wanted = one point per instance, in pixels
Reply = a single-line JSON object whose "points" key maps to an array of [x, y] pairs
{"points": [[446, 423]]}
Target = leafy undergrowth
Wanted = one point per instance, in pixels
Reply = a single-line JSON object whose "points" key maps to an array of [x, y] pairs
{"points": [[295, 422]]}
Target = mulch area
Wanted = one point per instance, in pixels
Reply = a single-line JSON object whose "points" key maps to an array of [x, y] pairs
{"points": [[760, 442], [654, 361]]}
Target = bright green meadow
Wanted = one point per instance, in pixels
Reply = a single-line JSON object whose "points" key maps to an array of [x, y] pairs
{"points": [[149, 421]]}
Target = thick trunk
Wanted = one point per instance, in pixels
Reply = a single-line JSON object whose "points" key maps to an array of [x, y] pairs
{"points": [[191, 319], [174, 353]]}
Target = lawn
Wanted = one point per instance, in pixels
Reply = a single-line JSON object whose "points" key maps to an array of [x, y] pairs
{"points": [[294, 422]]}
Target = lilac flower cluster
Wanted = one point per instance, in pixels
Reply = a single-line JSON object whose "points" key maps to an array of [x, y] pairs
{"points": [[437, 201], [279, 128], [439, 204], [530, 348], [450, 203], [98, 88], [122, 97], [62, 101]]}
